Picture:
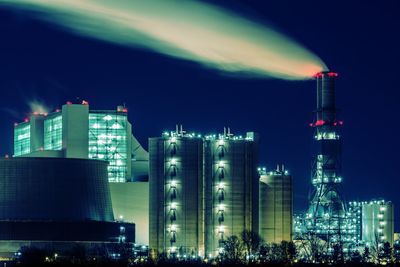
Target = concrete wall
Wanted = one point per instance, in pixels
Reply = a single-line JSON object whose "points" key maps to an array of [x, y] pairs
{"points": [[75, 130], [131, 200], [54, 189], [37, 132]]}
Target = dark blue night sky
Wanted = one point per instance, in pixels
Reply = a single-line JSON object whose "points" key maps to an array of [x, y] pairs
{"points": [[359, 39]]}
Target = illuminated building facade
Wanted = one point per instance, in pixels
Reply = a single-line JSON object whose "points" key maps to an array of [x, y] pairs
{"points": [[22, 139], [231, 188], [176, 206], [204, 189], [276, 205], [77, 132]]}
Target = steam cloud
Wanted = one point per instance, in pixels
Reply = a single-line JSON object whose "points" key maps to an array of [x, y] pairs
{"points": [[38, 107], [186, 29]]}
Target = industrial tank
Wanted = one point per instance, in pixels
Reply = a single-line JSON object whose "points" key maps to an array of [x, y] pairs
{"points": [[231, 188], [176, 206], [276, 205]]}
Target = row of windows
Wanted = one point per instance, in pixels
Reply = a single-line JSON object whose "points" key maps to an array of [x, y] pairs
{"points": [[22, 140], [53, 133], [107, 141]]}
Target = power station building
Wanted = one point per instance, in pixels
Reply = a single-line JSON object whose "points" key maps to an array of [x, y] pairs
{"points": [[276, 205], [57, 202], [76, 131], [204, 189]]}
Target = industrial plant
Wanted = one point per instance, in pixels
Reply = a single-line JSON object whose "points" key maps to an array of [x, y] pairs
{"points": [[185, 197]]}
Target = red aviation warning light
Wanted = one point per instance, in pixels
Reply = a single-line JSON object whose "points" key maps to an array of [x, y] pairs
{"points": [[329, 73]]}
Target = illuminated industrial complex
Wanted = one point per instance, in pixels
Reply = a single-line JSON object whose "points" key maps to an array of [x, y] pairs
{"points": [[190, 192], [329, 218]]}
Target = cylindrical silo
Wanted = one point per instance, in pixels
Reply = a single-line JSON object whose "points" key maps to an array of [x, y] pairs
{"points": [[176, 195], [231, 188], [276, 206], [377, 222]]}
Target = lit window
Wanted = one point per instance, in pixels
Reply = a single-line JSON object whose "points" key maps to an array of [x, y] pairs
{"points": [[173, 162], [116, 126], [107, 118]]}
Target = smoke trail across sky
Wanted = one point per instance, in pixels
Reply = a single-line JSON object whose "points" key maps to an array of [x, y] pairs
{"points": [[186, 29]]}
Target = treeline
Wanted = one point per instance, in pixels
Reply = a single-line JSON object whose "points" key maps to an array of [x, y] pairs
{"points": [[248, 249]]}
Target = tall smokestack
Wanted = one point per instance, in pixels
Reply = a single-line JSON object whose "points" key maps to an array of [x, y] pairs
{"points": [[326, 107], [327, 210]]}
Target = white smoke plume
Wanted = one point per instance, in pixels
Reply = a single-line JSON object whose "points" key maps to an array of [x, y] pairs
{"points": [[188, 30], [38, 107]]}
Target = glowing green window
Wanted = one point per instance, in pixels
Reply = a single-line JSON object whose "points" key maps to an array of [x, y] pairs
{"points": [[22, 139], [108, 141], [53, 133]]}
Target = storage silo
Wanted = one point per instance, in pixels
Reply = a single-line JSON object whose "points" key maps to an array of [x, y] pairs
{"points": [[176, 195], [377, 222], [231, 188], [276, 205]]}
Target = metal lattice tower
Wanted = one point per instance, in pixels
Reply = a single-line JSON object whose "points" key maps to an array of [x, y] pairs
{"points": [[326, 216]]}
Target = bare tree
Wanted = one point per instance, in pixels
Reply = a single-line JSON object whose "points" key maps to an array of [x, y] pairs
{"points": [[366, 256], [396, 252], [337, 255], [265, 252], [375, 249], [233, 250], [291, 251], [386, 253], [252, 242], [312, 248]]}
